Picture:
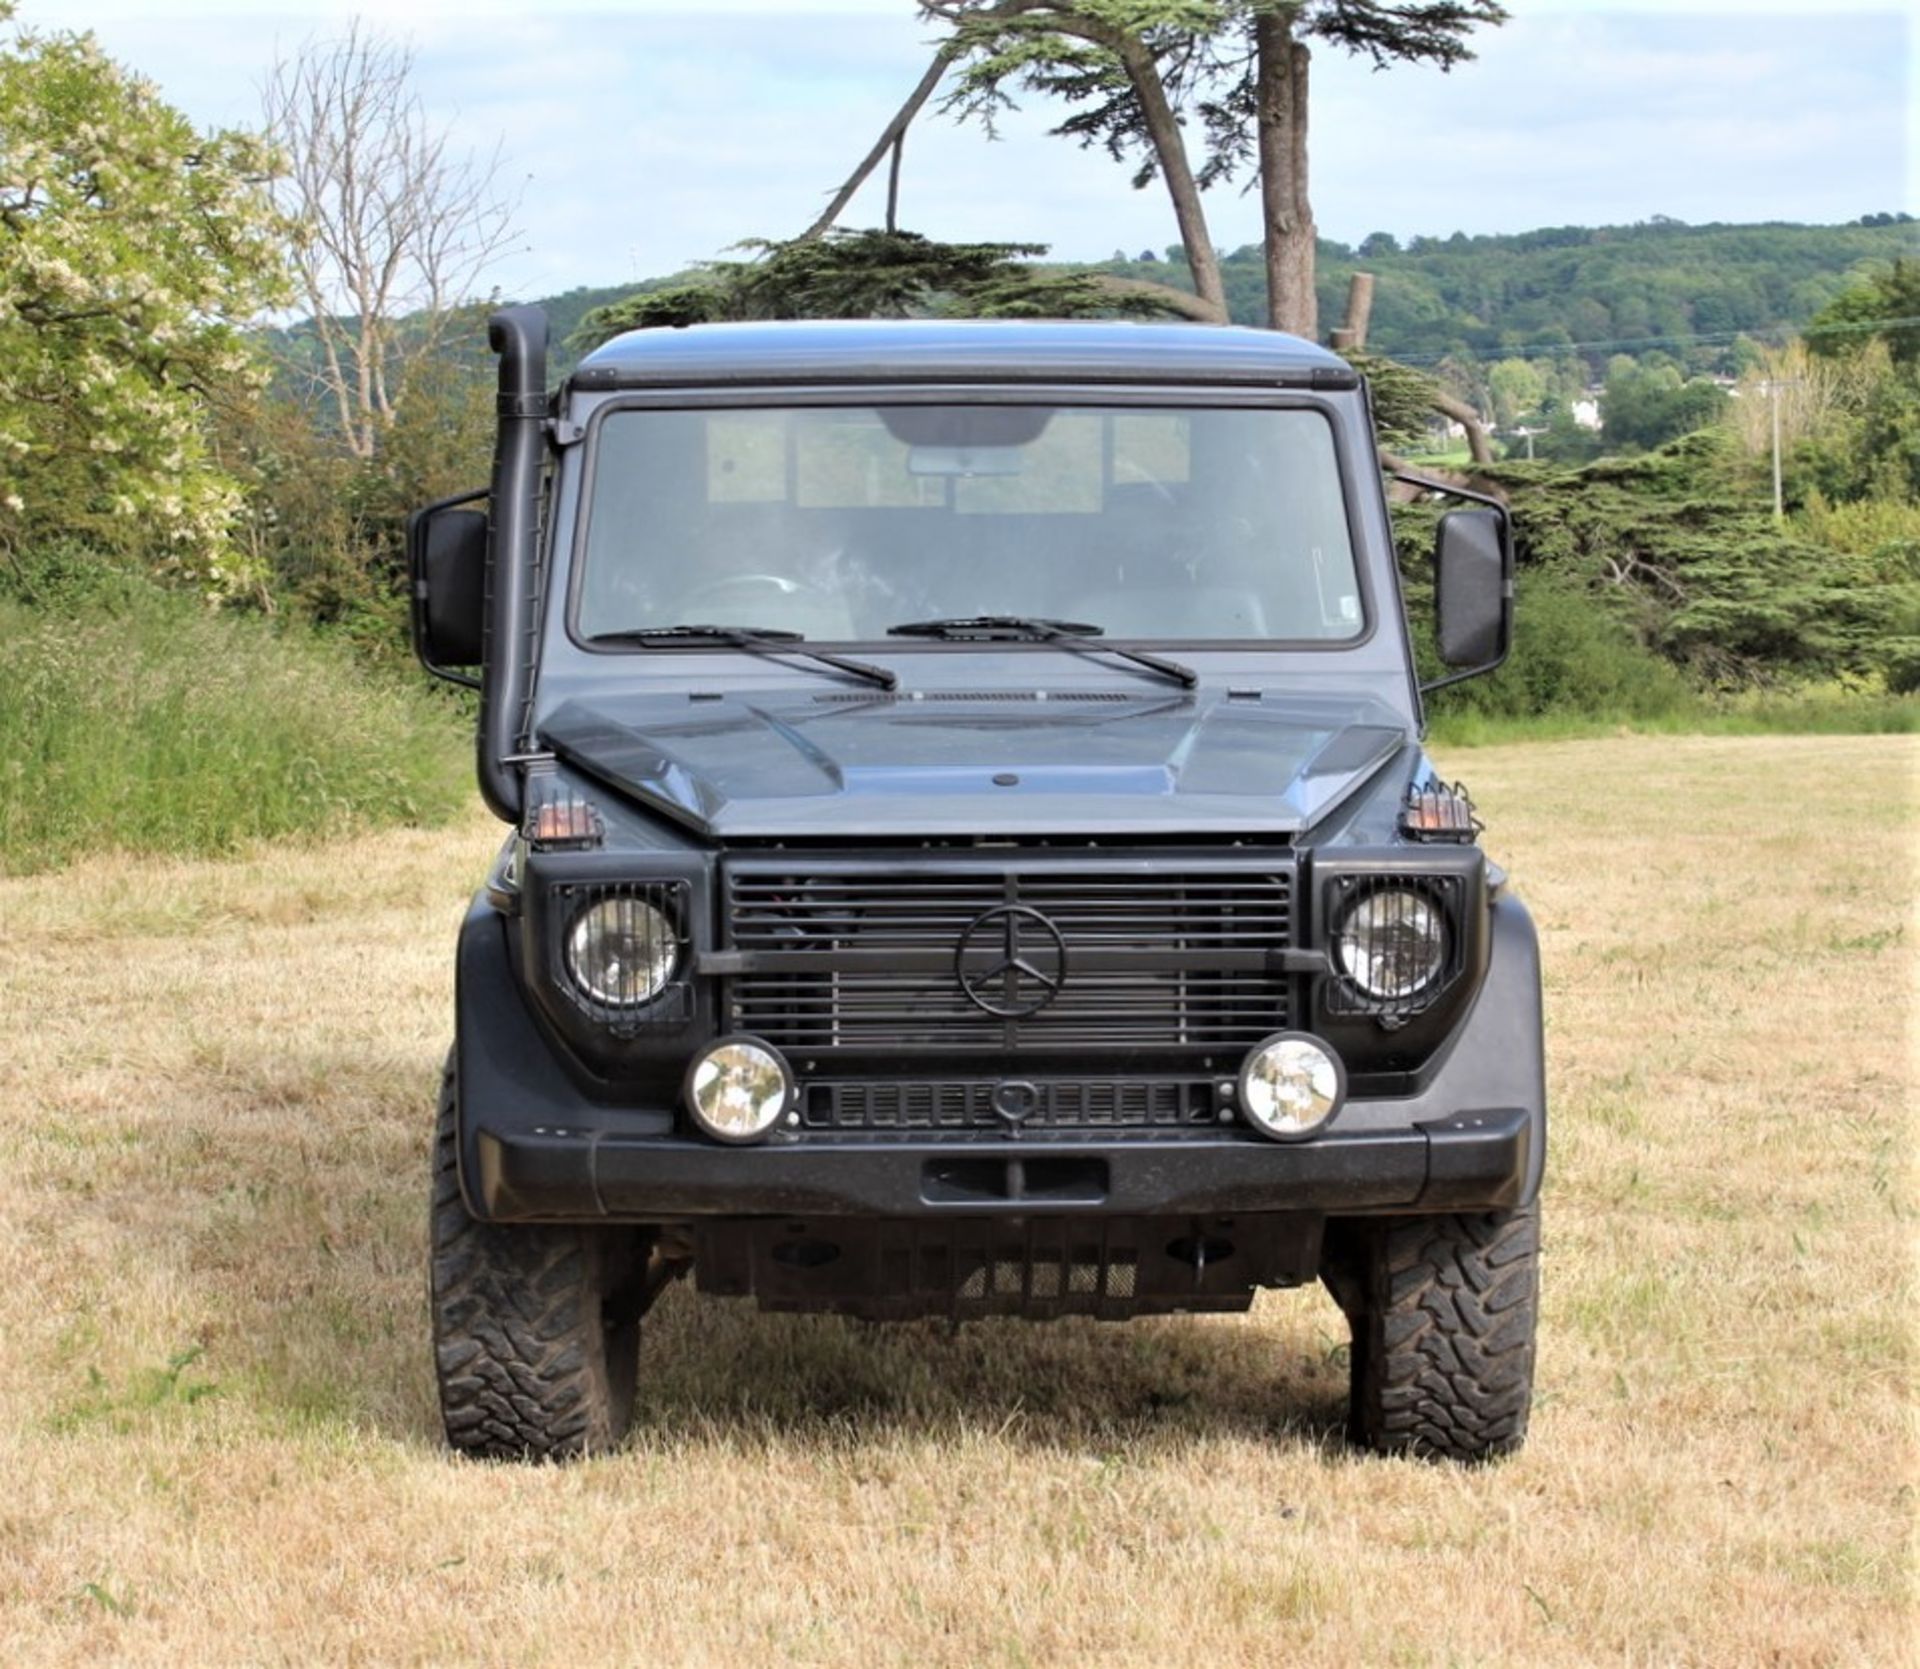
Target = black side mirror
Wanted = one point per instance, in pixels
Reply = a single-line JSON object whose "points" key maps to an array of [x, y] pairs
{"points": [[1473, 589], [447, 561]]}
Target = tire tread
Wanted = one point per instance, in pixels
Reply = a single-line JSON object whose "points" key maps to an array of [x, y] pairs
{"points": [[520, 1351], [1444, 1312]]}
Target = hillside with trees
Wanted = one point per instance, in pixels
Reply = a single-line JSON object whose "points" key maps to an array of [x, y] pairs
{"points": [[1597, 290], [1594, 290]]}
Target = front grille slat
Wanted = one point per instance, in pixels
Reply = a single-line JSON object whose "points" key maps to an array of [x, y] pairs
{"points": [[1157, 957]]}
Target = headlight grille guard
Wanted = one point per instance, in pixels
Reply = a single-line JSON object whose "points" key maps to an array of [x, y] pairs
{"points": [[1444, 889], [673, 1007]]}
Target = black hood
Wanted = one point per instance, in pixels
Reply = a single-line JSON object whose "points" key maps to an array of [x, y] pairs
{"points": [[814, 764]]}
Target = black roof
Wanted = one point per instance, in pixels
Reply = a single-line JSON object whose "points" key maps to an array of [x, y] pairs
{"points": [[963, 350]]}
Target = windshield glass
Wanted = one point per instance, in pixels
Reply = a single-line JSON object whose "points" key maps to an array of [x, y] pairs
{"points": [[837, 522]]}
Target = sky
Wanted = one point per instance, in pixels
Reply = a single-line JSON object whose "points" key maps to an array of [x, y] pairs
{"points": [[643, 137]]}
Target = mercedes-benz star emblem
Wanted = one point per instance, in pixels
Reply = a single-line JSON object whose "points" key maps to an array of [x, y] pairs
{"points": [[1011, 962]]}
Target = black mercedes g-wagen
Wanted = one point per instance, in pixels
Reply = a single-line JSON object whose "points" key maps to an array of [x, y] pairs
{"points": [[972, 855]]}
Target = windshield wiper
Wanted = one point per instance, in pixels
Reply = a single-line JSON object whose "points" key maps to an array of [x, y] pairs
{"points": [[756, 640], [1066, 634]]}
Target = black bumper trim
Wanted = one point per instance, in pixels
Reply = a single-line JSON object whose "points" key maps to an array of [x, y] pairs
{"points": [[1472, 1161]]}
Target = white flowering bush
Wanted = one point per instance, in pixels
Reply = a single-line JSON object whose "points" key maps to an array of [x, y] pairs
{"points": [[133, 250]]}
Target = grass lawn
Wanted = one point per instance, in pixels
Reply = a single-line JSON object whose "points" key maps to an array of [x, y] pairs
{"points": [[216, 1425]]}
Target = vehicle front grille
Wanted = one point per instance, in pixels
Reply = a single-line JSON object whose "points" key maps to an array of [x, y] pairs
{"points": [[984, 954]]}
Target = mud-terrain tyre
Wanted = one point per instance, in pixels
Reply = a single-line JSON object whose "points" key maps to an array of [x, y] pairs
{"points": [[1443, 1312], [536, 1339]]}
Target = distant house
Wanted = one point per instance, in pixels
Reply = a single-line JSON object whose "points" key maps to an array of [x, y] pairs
{"points": [[1586, 412]]}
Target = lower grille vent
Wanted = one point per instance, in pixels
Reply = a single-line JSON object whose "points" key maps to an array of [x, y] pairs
{"points": [[1099, 1104]]}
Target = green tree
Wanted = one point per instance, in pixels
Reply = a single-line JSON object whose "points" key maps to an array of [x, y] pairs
{"points": [[133, 250], [1516, 389], [1648, 405], [327, 527], [1132, 70], [1565, 441], [842, 274], [1870, 334], [1884, 305], [1112, 56]]}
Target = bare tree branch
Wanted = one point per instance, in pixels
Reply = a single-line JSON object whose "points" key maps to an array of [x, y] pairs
{"points": [[397, 232], [1478, 442], [889, 139]]}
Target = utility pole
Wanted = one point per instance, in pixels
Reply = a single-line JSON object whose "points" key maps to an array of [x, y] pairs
{"points": [[1773, 386], [1779, 503]]}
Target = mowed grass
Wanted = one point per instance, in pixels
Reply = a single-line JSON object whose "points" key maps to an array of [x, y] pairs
{"points": [[217, 1434]]}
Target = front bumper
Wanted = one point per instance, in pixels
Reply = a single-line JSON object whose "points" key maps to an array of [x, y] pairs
{"points": [[1471, 1161], [537, 1147]]}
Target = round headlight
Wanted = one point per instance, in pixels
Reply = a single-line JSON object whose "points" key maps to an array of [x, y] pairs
{"points": [[1291, 1086], [738, 1089], [1392, 944], [622, 951]]}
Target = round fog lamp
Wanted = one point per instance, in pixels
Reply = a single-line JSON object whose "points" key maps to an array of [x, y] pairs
{"points": [[738, 1089], [622, 951], [1291, 1086]]}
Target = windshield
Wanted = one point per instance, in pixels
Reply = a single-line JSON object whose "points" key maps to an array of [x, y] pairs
{"points": [[838, 522]]}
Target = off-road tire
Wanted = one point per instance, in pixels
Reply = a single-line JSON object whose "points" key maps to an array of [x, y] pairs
{"points": [[1443, 1312], [535, 1338]]}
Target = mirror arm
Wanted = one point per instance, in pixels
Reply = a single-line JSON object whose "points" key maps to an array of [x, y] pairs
{"points": [[1432, 684], [1414, 479]]}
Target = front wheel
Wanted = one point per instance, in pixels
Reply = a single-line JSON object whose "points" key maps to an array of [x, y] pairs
{"points": [[1443, 1313], [536, 1329]]}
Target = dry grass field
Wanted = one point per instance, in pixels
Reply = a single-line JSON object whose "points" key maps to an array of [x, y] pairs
{"points": [[217, 1440]]}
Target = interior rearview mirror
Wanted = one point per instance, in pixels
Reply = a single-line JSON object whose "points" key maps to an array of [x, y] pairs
{"points": [[1473, 588], [447, 561]]}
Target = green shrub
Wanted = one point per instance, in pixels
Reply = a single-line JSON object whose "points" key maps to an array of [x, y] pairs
{"points": [[137, 719], [1575, 653], [1571, 654], [1861, 527]]}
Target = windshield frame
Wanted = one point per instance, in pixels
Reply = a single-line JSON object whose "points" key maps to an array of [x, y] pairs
{"points": [[869, 392]]}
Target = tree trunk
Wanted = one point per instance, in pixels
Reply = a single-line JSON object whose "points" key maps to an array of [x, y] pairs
{"points": [[1281, 114], [1163, 130], [893, 182], [1351, 337], [1175, 301], [1478, 443]]}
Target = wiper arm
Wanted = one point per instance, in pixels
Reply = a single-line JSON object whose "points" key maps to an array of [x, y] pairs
{"points": [[756, 640], [1067, 634]]}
